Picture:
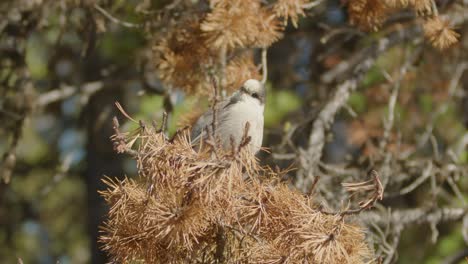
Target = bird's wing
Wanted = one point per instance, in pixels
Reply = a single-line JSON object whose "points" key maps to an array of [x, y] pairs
{"points": [[207, 118]]}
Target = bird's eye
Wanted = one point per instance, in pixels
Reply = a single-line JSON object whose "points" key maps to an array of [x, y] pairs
{"points": [[255, 95]]}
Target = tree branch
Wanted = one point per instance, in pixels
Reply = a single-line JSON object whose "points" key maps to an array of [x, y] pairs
{"points": [[361, 63], [264, 66], [66, 91], [115, 20], [406, 217]]}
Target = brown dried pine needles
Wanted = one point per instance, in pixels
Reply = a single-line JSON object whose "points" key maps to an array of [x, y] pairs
{"points": [[190, 206]]}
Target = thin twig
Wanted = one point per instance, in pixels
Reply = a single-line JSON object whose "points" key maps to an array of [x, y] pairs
{"points": [[390, 120], [179, 132], [120, 140], [312, 4], [222, 72], [214, 109], [338, 31], [119, 106], [114, 19], [456, 190], [312, 188], [211, 142], [163, 123], [67, 91], [442, 108], [373, 184], [245, 138], [264, 66], [425, 175]]}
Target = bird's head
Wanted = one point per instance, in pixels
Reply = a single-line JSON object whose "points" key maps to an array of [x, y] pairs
{"points": [[254, 89]]}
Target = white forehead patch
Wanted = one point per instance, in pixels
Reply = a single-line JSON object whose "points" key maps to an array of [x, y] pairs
{"points": [[253, 85]]}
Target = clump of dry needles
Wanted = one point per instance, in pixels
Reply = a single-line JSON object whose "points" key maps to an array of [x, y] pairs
{"points": [[371, 14], [219, 206], [220, 41]]}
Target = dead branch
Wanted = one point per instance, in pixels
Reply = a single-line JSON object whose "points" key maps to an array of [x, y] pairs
{"points": [[214, 109], [67, 91], [114, 19], [119, 140], [361, 62], [373, 184], [264, 66], [420, 180], [406, 217], [245, 137], [309, 157]]}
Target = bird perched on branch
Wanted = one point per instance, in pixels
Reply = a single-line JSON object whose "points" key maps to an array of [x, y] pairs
{"points": [[244, 106]]}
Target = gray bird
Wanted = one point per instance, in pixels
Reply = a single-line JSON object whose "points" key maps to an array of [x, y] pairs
{"points": [[245, 105]]}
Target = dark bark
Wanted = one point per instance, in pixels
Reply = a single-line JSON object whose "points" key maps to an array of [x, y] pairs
{"points": [[101, 160]]}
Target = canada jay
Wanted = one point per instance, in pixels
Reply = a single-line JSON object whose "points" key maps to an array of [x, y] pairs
{"points": [[245, 105]]}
